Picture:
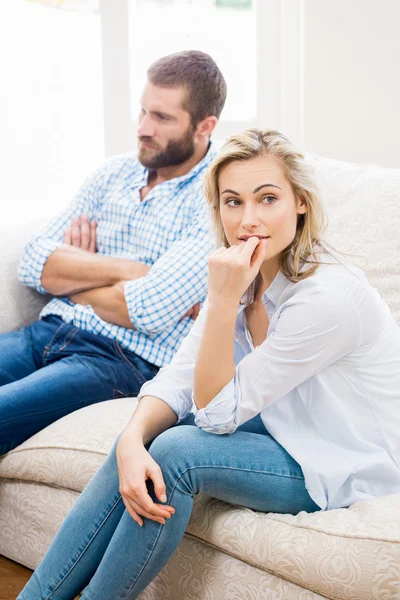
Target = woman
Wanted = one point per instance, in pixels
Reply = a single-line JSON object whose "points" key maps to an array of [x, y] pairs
{"points": [[295, 356]]}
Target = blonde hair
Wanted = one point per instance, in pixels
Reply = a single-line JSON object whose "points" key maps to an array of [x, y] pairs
{"points": [[253, 143]]}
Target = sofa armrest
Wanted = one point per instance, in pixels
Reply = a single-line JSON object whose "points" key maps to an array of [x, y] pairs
{"points": [[19, 305]]}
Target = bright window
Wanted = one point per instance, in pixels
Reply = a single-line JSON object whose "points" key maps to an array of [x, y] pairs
{"points": [[51, 110], [224, 29]]}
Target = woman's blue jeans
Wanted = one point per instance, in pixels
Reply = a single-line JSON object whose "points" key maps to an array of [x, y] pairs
{"points": [[100, 546], [51, 368]]}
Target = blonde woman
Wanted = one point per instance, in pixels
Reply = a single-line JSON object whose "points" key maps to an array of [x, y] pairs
{"points": [[295, 360]]}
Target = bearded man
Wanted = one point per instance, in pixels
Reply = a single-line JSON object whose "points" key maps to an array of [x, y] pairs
{"points": [[125, 262]]}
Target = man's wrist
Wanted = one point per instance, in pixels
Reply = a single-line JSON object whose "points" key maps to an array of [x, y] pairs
{"points": [[131, 270]]}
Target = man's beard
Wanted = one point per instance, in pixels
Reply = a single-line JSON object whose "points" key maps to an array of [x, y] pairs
{"points": [[175, 153]]}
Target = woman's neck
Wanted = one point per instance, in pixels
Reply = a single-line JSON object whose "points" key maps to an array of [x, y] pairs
{"points": [[264, 279]]}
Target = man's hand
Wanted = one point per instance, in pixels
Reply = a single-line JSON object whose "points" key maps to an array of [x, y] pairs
{"points": [[193, 312], [81, 233]]}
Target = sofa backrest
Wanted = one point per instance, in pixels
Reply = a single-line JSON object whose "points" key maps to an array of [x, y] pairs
{"points": [[363, 206], [19, 305]]}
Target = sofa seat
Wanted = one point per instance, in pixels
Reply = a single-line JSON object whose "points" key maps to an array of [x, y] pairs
{"points": [[340, 554]]}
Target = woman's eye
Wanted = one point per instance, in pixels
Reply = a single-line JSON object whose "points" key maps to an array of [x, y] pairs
{"points": [[233, 202], [268, 199]]}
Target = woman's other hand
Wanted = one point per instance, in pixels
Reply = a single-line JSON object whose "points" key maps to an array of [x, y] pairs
{"points": [[231, 271], [135, 467]]}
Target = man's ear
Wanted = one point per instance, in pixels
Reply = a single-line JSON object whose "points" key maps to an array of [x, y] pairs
{"points": [[206, 126]]}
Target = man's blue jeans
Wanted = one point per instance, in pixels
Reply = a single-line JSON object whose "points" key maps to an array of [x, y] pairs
{"points": [[51, 368], [100, 546]]}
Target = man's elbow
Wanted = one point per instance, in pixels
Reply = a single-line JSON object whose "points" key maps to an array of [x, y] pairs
{"points": [[122, 311]]}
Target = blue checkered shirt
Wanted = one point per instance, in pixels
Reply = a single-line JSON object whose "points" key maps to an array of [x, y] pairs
{"points": [[168, 231]]}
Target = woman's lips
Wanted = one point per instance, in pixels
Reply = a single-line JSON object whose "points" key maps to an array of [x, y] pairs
{"points": [[244, 238]]}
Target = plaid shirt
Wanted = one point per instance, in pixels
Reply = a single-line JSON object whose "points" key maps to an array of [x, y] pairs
{"points": [[168, 231]]}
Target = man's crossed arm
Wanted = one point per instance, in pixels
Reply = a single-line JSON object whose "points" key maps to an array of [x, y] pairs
{"points": [[77, 271]]}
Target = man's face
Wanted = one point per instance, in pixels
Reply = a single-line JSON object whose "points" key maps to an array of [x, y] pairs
{"points": [[165, 133]]}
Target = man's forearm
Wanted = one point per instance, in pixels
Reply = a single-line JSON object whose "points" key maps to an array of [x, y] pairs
{"points": [[107, 302], [69, 270]]}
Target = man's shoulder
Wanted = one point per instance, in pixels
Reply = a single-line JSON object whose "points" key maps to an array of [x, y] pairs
{"points": [[121, 164]]}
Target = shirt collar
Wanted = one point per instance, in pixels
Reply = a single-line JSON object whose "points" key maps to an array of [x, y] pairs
{"points": [[276, 289]]}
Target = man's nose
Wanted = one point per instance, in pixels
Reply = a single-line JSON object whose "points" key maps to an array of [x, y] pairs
{"points": [[146, 127]]}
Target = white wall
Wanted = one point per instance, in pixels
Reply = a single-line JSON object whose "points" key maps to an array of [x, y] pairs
{"points": [[327, 76], [351, 79]]}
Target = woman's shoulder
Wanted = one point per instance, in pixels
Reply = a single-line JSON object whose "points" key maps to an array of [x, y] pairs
{"points": [[335, 276]]}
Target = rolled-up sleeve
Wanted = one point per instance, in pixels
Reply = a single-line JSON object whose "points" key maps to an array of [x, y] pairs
{"points": [[312, 332], [38, 250], [219, 415], [174, 383], [176, 281]]}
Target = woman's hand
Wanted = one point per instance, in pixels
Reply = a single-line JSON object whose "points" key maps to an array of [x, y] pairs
{"points": [[231, 271], [135, 466]]}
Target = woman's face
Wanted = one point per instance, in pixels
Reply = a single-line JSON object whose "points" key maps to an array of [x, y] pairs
{"points": [[256, 199]]}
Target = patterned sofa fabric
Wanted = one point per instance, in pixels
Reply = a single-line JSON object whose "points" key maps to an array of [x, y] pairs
{"points": [[30, 514], [342, 554]]}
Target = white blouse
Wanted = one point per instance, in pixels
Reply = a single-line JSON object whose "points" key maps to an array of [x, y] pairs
{"points": [[326, 381]]}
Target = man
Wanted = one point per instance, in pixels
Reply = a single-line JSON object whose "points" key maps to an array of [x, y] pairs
{"points": [[126, 262]]}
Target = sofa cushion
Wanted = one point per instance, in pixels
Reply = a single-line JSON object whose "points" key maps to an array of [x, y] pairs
{"points": [[343, 554], [20, 305], [68, 452], [363, 205], [30, 514]]}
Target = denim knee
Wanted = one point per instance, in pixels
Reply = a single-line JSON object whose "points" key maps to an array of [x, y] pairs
{"points": [[173, 443], [175, 449]]}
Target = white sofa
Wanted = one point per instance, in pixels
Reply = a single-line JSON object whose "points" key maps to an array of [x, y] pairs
{"points": [[228, 553]]}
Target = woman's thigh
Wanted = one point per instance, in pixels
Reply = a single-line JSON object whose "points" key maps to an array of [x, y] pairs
{"points": [[248, 468]]}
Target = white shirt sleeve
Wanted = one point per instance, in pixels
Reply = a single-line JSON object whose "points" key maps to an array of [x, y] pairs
{"points": [[313, 330], [174, 383]]}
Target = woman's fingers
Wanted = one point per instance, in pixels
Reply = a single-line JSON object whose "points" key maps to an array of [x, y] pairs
{"points": [[138, 493], [157, 510], [157, 478], [258, 254], [143, 505], [140, 512], [133, 475], [132, 512], [247, 249]]}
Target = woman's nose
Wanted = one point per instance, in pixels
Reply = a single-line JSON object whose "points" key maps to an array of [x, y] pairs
{"points": [[250, 217]]}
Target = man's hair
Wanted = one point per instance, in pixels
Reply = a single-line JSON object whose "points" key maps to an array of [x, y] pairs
{"points": [[199, 74]]}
